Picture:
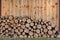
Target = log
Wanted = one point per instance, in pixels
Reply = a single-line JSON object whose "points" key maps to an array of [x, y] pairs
{"points": [[24, 19], [42, 23], [9, 28], [16, 21], [16, 30], [31, 24], [6, 26], [39, 35], [44, 36], [39, 26], [30, 33], [27, 25], [34, 27], [36, 23], [54, 31], [37, 31], [56, 28], [45, 30], [19, 25], [18, 33], [26, 30], [11, 17], [7, 35], [29, 36], [49, 27], [8, 20], [50, 32], [23, 33], [3, 28], [52, 36], [42, 33], [25, 36], [44, 26], [21, 36], [12, 21], [29, 28], [6, 31], [4, 20], [3, 24], [21, 30], [28, 20], [35, 35]]}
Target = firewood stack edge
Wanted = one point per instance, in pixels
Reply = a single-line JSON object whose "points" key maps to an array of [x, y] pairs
{"points": [[25, 27]]}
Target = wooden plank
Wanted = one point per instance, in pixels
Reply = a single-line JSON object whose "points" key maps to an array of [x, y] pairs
{"points": [[0, 7], [40, 9]]}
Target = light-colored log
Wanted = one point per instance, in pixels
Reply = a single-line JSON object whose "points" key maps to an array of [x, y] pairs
{"points": [[30, 33]]}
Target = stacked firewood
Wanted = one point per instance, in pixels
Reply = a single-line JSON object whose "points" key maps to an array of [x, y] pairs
{"points": [[25, 27]]}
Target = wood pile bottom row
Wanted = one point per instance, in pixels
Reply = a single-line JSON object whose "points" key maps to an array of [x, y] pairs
{"points": [[25, 27]]}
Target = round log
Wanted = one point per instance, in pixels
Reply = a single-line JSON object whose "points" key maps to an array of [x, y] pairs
{"points": [[3, 24], [37, 31], [24, 20], [45, 30], [49, 27], [30, 33], [25, 36], [23, 33], [28, 20], [35, 35], [21, 30], [11, 17], [26, 30], [50, 32], [31, 24], [34, 27], [21, 36], [6, 26], [27, 25], [39, 26]]}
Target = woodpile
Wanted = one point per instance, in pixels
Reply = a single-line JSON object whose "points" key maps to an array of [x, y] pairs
{"points": [[25, 27]]}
